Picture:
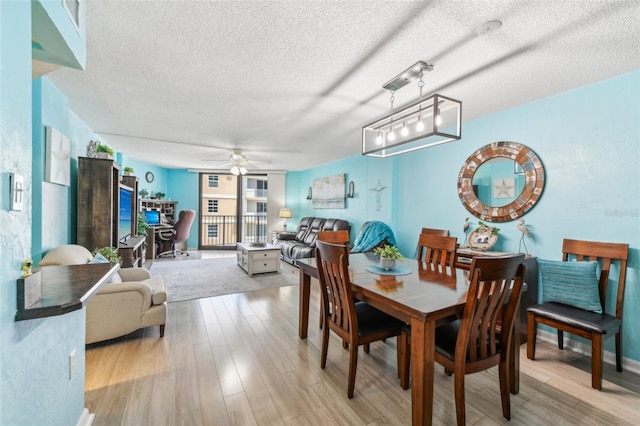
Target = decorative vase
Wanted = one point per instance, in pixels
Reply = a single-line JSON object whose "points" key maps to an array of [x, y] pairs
{"points": [[387, 264]]}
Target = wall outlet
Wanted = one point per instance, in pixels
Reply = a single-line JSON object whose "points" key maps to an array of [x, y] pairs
{"points": [[72, 364]]}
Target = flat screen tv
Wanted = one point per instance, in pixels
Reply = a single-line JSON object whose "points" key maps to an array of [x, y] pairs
{"points": [[125, 218], [153, 217]]}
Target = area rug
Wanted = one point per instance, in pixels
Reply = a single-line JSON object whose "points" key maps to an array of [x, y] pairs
{"points": [[195, 279]]}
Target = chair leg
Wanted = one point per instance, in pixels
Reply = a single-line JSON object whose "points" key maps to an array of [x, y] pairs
{"points": [[353, 365], [325, 347], [459, 396], [619, 351], [532, 329], [161, 330], [366, 347], [560, 339], [596, 361], [503, 370]]}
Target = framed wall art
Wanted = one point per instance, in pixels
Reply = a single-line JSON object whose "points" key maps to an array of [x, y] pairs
{"points": [[329, 192], [58, 157]]}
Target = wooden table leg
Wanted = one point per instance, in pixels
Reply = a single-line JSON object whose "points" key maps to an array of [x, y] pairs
{"points": [[303, 314], [422, 371]]}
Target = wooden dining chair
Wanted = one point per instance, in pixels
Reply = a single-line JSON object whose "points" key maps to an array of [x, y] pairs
{"points": [[481, 339], [356, 323], [570, 315], [434, 231], [337, 237], [437, 252]]}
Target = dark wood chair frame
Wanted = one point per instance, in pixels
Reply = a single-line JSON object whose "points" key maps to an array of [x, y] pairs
{"points": [[484, 332], [589, 325], [339, 310], [437, 252]]}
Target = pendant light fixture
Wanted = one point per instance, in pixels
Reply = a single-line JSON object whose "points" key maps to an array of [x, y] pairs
{"points": [[427, 122]]}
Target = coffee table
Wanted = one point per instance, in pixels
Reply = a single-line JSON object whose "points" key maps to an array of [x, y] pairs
{"points": [[258, 259]]}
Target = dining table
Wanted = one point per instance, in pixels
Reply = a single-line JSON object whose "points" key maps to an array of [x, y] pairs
{"points": [[417, 295]]}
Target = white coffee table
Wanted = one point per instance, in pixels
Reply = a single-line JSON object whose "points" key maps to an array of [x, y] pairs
{"points": [[258, 259]]}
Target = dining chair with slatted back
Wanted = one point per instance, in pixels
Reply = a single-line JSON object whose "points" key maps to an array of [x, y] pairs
{"points": [[438, 252], [337, 237], [434, 231], [482, 337], [566, 307], [357, 323]]}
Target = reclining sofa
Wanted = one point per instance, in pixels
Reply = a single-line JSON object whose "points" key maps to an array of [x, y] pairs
{"points": [[303, 243]]}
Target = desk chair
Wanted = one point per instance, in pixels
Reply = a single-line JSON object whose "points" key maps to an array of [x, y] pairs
{"points": [[178, 234]]}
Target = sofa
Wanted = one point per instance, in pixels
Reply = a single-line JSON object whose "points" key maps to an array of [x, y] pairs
{"points": [[133, 300], [302, 243]]}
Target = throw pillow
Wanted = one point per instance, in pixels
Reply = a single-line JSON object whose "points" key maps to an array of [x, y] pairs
{"points": [[571, 283], [98, 258]]}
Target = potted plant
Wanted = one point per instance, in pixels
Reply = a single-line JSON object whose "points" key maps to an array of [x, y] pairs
{"points": [[388, 256], [143, 226], [160, 195], [128, 171], [104, 151], [109, 253], [143, 193]]}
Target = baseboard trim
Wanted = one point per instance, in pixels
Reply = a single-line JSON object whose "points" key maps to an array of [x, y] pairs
{"points": [[86, 418], [585, 349]]}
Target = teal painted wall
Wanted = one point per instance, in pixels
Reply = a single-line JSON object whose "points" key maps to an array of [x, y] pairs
{"points": [[35, 388], [182, 186], [589, 142]]}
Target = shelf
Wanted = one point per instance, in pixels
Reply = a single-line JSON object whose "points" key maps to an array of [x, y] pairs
{"points": [[66, 289]]}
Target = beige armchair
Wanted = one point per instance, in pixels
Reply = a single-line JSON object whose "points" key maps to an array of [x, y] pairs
{"points": [[119, 308]]}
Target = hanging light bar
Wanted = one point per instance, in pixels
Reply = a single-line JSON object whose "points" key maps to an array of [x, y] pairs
{"points": [[427, 122]]}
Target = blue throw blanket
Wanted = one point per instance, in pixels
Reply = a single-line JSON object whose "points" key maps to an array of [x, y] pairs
{"points": [[371, 234]]}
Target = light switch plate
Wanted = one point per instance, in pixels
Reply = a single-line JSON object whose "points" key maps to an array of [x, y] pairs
{"points": [[16, 191]]}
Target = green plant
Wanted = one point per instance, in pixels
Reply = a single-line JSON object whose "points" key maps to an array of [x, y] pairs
{"points": [[494, 230], [129, 169], [389, 252], [104, 148], [143, 226], [109, 253], [143, 193], [160, 195]]}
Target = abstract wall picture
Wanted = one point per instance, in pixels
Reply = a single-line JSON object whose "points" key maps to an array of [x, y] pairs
{"points": [[58, 157], [329, 192]]}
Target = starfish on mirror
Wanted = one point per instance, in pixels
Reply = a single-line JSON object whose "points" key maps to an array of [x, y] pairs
{"points": [[503, 189]]}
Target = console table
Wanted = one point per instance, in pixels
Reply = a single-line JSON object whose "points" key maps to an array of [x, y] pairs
{"points": [[66, 288]]}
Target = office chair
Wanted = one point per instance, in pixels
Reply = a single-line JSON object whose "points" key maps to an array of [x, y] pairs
{"points": [[178, 234]]}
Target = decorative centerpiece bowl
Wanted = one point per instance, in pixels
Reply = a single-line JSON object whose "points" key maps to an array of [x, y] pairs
{"points": [[388, 256]]}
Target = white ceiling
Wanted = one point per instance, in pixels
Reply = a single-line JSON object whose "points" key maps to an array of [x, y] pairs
{"points": [[291, 83]]}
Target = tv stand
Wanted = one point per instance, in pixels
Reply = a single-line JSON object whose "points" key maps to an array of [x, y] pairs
{"points": [[133, 252]]}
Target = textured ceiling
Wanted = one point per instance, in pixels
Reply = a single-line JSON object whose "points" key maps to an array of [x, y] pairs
{"points": [[180, 83]]}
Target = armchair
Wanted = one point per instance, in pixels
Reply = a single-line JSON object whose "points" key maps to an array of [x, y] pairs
{"points": [[134, 300]]}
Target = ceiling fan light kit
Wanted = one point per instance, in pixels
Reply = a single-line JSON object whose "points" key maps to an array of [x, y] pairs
{"points": [[427, 122]]}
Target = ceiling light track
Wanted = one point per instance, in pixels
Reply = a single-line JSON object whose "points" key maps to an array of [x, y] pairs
{"points": [[427, 122]]}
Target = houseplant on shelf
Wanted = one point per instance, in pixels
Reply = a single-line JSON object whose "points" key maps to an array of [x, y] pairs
{"points": [[128, 171], [143, 193], [104, 151], [109, 253], [388, 256], [160, 195]]}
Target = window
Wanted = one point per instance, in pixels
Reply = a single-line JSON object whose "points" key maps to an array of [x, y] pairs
{"points": [[213, 181], [261, 207], [212, 231], [212, 206]]}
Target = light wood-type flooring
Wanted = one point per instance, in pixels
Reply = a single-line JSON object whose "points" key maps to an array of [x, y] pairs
{"points": [[237, 360]]}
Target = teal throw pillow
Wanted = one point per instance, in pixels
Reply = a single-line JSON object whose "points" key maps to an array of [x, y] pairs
{"points": [[571, 283]]}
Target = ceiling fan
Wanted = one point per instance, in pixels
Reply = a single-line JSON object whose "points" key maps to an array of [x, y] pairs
{"points": [[238, 162]]}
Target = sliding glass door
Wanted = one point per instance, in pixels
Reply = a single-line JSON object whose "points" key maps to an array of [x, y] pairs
{"points": [[232, 209]]}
